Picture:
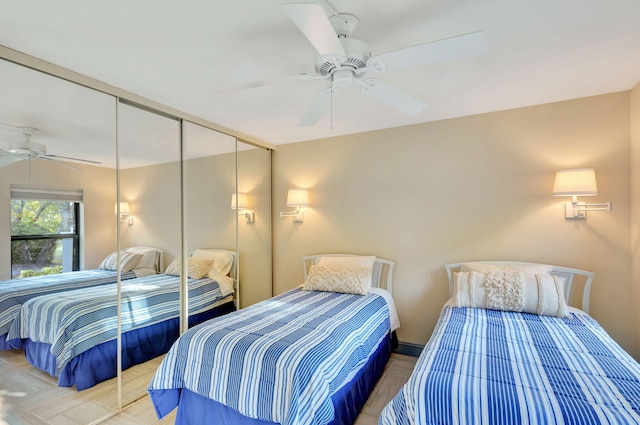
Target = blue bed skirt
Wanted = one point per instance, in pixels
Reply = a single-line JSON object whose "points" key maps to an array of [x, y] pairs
{"points": [[11, 345], [348, 401], [99, 363]]}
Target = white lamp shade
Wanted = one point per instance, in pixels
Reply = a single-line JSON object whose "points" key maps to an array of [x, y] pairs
{"points": [[124, 208], [575, 182], [240, 203], [298, 198]]}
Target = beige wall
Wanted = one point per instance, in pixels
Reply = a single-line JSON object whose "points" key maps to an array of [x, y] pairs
{"points": [[99, 187], [635, 205], [471, 188]]}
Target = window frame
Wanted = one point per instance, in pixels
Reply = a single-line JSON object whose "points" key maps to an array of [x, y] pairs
{"points": [[59, 195]]}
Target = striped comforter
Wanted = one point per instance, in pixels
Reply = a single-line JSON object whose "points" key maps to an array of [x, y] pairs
{"points": [[492, 367], [279, 360], [15, 292], [75, 321]]}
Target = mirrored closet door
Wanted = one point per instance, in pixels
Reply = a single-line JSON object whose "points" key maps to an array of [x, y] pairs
{"points": [[58, 191], [149, 225]]}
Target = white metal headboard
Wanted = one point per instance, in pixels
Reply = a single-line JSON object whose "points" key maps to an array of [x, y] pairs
{"points": [[380, 268], [565, 272]]}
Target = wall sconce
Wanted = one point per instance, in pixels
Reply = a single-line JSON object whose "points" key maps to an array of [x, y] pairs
{"points": [[241, 204], [578, 182], [125, 212], [298, 198]]}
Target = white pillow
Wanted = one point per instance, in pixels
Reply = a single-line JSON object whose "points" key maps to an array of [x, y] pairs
{"points": [[344, 279], [149, 256], [510, 291], [128, 261], [196, 267], [222, 261]]}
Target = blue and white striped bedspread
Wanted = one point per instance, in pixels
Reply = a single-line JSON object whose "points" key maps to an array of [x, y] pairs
{"points": [[15, 292], [279, 360], [492, 367], [75, 321]]}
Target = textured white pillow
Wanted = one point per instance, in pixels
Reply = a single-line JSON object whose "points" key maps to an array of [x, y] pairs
{"points": [[149, 256], [344, 279], [196, 267], [128, 261], [222, 261], [510, 291]]}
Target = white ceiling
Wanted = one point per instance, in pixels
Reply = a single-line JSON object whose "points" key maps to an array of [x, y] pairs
{"points": [[182, 53]]}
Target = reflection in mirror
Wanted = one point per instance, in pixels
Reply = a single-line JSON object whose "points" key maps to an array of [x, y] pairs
{"points": [[254, 238], [209, 169], [49, 131], [149, 181]]}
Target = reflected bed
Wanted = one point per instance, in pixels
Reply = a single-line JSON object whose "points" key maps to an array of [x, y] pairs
{"points": [[72, 335], [15, 292]]}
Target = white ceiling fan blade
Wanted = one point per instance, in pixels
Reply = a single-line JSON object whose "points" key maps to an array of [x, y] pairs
{"points": [[319, 105], [393, 97], [74, 159], [448, 49], [59, 162], [315, 25]]}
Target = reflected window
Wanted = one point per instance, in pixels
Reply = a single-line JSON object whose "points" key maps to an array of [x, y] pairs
{"points": [[45, 234]]}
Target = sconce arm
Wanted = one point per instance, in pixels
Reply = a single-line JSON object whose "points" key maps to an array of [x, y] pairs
{"points": [[604, 206]]}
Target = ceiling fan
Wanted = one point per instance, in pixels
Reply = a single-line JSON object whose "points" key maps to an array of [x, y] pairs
{"points": [[26, 149], [344, 60]]}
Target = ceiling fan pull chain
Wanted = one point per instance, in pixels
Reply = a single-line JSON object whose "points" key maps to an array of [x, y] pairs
{"points": [[331, 107]]}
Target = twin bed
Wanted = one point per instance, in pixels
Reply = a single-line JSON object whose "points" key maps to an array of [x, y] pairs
{"points": [[72, 334], [311, 355], [488, 362]]}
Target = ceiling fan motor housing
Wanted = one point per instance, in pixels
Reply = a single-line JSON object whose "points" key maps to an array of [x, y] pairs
{"points": [[357, 55]]}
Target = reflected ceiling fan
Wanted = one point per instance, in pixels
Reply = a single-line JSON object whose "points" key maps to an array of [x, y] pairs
{"points": [[26, 149], [345, 61]]}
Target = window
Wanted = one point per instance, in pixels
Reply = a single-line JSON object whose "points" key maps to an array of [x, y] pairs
{"points": [[45, 231]]}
